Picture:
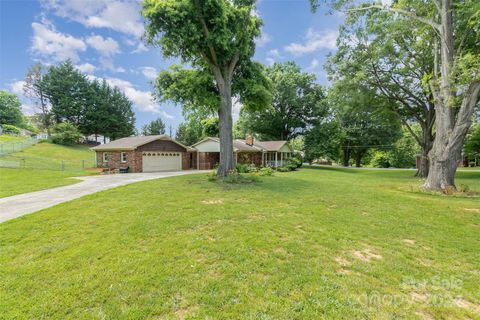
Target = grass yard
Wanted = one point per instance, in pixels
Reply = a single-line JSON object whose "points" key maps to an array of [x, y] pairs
{"points": [[56, 152], [17, 181], [313, 244], [4, 138], [40, 167]]}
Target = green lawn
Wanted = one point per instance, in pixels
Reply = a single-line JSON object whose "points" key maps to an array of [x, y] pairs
{"points": [[40, 167], [4, 138], [313, 244], [16, 181], [56, 152]]}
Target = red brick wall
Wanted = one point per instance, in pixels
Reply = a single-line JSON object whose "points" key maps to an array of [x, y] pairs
{"points": [[208, 160], [114, 160], [249, 158], [189, 160]]}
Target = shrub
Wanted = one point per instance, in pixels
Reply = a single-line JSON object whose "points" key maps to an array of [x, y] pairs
{"points": [[295, 161], [380, 159], [65, 133], [9, 129], [265, 171], [245, 168]]}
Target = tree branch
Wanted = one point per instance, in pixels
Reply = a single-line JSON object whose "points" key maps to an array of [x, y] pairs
{"points": [[410, 14]]}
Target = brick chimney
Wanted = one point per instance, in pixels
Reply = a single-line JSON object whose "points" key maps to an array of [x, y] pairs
{"points": [[249, 140]]}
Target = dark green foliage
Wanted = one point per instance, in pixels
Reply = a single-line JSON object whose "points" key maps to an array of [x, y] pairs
{"points": [[472, 145], [210, 127], [10, 111], [9, 129], [155, 127], [65, 133], [297, 103], [93, 106]]}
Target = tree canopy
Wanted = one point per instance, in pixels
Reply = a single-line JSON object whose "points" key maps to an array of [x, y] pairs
{"points": [[216, 38], [10, 111], [297, 103], [155, 127]]}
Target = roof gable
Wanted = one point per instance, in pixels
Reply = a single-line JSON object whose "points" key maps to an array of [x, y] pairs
{"points": [[131, 143]]}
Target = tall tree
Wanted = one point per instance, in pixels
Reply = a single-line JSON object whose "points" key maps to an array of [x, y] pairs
{"points": [[10, 111], [67, 89], [455, 80], [34, 90], [297, 102], [217, 38], [386, 53], [155, 127]]}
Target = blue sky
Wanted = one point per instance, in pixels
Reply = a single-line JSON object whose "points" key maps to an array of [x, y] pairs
{"points": [[102, 38]]}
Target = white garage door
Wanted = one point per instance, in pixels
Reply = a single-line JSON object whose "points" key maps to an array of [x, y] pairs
{"points": [[161, 161]]}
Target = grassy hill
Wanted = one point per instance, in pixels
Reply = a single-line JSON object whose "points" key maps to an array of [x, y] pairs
{"points": [[42, 166], [4, 138], [313, 244]]}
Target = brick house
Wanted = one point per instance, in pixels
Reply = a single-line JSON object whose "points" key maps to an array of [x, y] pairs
{"points": [[248, 151], [162, 153], [145, 154]]}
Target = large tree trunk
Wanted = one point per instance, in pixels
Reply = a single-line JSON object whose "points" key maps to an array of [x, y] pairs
{"points": [[426, 145], [346, 157], [450, 135], [225, 126], [451, 125], [358, 159]]}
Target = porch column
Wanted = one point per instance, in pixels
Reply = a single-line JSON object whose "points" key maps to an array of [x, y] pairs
{"points": [[276, 159], [281, 159]]}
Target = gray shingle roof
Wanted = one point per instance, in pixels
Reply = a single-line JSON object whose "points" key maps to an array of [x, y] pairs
{"points": [[131, 143]]}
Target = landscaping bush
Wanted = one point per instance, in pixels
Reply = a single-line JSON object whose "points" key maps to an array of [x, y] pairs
{"points": [[380, 159], [9, 129], [265, 171], [65, 133], [295, 161], [245, 168]]}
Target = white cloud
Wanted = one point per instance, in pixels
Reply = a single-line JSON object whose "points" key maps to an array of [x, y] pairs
{"points": [[140, 48], [149, 72], [121, 16], [314, 64], [17, 87], [105, 46], [107, 64], [273, 56], [86, 68], [263, 39], [314, 40], [49, 43], [143, 100]]}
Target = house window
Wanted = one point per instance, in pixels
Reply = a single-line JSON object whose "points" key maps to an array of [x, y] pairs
{"points": [[123, 157], [105, 157]]}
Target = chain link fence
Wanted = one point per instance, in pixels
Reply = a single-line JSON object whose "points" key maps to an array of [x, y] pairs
{"points": [[16, 146], [13, 161]]}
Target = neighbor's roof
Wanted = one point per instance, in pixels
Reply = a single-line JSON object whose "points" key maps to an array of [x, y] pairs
{"points": [[240, 145], [131, 143], [270, 145]]}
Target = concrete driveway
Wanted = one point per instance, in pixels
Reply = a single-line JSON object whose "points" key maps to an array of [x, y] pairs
{"points": [[22, 204]]}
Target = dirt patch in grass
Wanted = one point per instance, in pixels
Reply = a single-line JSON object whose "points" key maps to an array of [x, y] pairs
{"points": [[183, 313], [213, 201], [409, 242], [472, 209], [467, 305], [366, 255], [425, 315], [418, 296]]}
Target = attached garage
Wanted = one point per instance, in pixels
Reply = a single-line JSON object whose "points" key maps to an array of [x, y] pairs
{"points": [[146, 154], [161, 161]]}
